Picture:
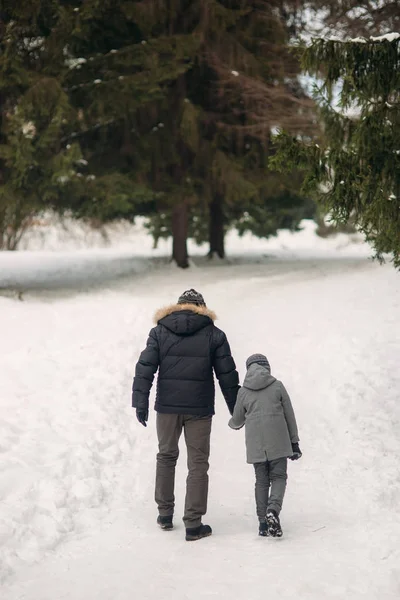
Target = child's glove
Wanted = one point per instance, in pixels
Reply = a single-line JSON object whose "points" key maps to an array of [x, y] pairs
{"points": [[142, 416], [296, 452]]}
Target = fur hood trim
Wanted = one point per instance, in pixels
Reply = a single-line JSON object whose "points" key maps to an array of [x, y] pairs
{"points": [[168, 310]]}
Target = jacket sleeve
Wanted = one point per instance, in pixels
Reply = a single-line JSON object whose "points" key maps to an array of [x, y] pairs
{"points": [[146, 368], [239, 414], [289, 415], [225, 370]]}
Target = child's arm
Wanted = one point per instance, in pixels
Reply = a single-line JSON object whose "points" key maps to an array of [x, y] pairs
{"points": [[289, 415], [239, 414]]}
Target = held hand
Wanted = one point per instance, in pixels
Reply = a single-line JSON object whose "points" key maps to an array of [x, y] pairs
{"points": [[142, 416], [296, 452]]}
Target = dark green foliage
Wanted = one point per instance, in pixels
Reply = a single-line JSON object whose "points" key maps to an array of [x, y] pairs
{"points": [[35, 115], [284, 211], [181, 96], [138, 107], [355, 170], [45, 124]]}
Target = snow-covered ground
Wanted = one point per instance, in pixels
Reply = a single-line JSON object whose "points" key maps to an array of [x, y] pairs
{"points": [[71, 255], [77, 518]]}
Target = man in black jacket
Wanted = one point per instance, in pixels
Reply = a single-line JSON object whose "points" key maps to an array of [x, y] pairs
{"points": [[185, 347]]}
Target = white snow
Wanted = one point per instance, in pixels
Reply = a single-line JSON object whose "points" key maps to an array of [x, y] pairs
{"points": [[76, 63], [77, 518], [29, 130], [390, 37]]}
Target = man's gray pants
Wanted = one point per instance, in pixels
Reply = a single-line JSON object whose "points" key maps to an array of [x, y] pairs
{"points": [[272, 473], [197, 432]]}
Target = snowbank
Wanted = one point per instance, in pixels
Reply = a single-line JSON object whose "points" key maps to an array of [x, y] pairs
{"points": [[73, 255]]}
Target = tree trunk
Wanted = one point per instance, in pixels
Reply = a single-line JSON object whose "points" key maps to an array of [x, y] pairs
{"points": [[216, 232], [180, 222]]}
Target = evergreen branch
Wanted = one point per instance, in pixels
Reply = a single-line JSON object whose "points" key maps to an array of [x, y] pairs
{"points": [[75, 135]]}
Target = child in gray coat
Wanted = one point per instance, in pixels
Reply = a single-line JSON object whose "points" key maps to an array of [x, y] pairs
{"points": [[264, 407]]}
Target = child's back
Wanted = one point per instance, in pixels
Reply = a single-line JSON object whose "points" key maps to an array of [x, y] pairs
{"points": [[264, 406]]}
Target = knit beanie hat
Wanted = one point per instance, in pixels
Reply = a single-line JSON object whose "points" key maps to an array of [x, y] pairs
{"points": [[260, 359], [191, 297]]}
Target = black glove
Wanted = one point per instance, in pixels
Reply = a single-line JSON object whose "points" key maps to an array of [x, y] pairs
{"points": [[142, 416], [296, 452]]}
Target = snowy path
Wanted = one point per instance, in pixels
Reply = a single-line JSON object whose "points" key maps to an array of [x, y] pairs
{"points": [[76, 470]]}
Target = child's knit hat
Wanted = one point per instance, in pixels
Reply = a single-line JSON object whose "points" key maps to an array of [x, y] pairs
{"points": [[260, 359]]}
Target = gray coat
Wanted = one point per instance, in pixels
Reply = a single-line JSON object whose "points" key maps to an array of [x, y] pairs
{"points": [[264, 406]]}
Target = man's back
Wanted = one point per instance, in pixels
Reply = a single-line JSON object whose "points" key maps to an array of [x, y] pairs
{"points": [[187, 341], [186, 346]]}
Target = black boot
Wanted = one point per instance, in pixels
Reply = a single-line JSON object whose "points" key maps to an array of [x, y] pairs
{"points": [[165, 522], [273, 524], [196, 533], [263, 529]]}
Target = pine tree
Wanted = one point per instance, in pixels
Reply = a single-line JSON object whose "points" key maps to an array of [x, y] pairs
{"points": [[162, 104], [355, 170], [242, 83]]}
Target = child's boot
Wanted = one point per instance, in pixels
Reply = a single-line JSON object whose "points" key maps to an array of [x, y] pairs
{"points": [[263, 528], [273, 524]]}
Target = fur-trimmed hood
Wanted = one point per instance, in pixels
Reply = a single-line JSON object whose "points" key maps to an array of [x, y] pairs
{"points": [[185, 319], [168, 310]]}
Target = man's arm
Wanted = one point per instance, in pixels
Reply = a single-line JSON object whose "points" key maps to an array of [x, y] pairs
{"points": [[146, 368], [289, 415], [225, 370]]}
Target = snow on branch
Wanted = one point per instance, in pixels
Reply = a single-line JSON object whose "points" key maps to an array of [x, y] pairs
{"points": [[388, 37]]}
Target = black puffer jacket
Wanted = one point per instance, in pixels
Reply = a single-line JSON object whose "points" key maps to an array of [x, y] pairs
{"points": [[185, 346]]}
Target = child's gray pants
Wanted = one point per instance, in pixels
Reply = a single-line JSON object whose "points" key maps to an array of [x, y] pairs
{"points": [[271, 473]]}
